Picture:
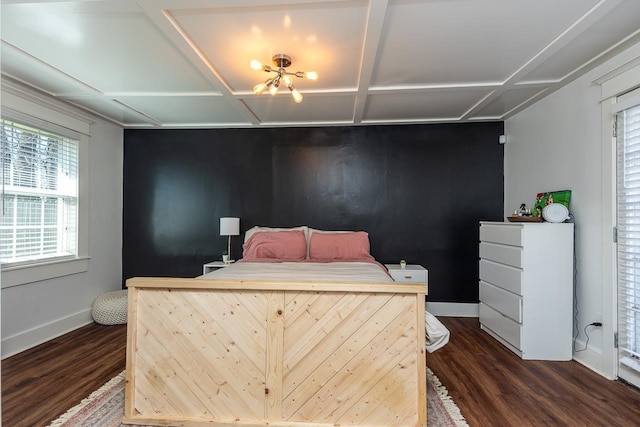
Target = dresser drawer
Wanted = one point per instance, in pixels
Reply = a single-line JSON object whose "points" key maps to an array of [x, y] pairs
{"points": [[510, 255], [505, 234], [409, 276], [503, 301], [504, 276], [502, 326]]}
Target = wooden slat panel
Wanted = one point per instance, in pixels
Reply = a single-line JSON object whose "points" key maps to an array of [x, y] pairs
{"points": [[273, 363], [307, 331], [306, 304], [330, 340], [327, 387], [374, 406], [132, 345], [178, 333], [356, 379], [421, 353], [313, 354], [183, 398], [291, 295], [396, 407], [172, 369], [254, 323], [265, 285]]}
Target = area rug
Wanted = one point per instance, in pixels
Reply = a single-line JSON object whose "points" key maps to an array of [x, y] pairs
{"points": [[105, 407]]}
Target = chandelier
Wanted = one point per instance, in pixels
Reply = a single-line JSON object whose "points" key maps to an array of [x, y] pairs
{"points": [[282, 76]]}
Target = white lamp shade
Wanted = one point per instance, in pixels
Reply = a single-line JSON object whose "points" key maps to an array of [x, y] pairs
{"points": [[229, 226]]}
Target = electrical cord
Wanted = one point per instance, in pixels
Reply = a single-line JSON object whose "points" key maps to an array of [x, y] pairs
{"points": [[586, 344], [576, 324], [575, 296]]}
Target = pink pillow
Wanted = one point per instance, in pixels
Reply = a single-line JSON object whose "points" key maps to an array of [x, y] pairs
{"points": [[340, 246], [282, 245]]}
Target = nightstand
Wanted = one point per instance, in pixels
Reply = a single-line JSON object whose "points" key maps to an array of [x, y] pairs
{"points": [[210, 266], [412, 273]]}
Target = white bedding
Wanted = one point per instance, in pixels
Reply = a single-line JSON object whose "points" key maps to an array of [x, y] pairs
{"points": [[307, 271], [437, 335]]}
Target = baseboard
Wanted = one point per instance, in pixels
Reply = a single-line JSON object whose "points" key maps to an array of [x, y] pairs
{"points": [[589, 357], [452, 309], [33, 337]]}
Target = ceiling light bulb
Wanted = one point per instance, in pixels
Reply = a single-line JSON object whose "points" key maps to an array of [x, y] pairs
{"points": [[256, 65], [281, 61], [311, 75], [274, 88], [259, 88], [297, 96]]}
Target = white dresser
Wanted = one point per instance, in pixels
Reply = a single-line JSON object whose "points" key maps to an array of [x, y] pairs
{"points": [[526, 287]]}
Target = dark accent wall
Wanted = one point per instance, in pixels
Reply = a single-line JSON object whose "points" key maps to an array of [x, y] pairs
{"points": [[418, 190]]}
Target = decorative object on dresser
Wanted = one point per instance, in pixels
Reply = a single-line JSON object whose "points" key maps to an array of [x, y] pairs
{"points": [[551, 197], [526, 287], [555, 212], [518, 218], [551, 206], [229, 227]]}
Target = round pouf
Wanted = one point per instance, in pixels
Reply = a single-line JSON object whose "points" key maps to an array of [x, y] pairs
{"points": [[110, 308]]}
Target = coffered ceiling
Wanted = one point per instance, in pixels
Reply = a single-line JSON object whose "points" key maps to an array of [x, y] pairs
{"points": [[185, 63]]}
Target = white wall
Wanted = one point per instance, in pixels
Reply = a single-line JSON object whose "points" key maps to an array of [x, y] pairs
{"points": [[36, 312], [557, 144]]}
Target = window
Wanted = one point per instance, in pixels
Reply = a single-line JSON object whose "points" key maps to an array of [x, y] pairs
{"points": [[43, 195], [628, 223], [39, 195]]}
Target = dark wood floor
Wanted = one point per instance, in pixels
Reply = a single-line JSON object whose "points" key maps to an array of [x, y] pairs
{"points": [[494, 387], [491, 385], [40, 384]]}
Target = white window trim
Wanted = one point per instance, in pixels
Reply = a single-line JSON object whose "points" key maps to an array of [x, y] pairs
{"points": [[36, 272], [628, 368], [613, 84], [32, 109]]}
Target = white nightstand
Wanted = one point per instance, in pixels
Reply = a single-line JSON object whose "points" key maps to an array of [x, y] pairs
{"points": [[210, 266], [412, 273]]}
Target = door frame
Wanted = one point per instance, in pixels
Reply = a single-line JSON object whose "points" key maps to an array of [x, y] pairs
{"points": [[617, 82]]}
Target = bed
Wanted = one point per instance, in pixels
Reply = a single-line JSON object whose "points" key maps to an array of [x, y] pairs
{"points": [[307, 330]]}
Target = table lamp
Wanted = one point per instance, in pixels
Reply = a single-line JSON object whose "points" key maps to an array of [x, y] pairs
{"points": [[229, 227]]}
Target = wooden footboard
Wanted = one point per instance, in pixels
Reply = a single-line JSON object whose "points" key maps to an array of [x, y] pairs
{"points": [[254, 353]]}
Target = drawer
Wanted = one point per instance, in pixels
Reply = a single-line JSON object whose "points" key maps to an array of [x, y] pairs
{"points": [[409, 276], [505, 234], [510, 255], [502, 326], [504, 276], [503, 301]]}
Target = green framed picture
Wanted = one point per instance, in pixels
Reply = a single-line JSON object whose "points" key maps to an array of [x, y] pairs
{"points": [[543, 199]]}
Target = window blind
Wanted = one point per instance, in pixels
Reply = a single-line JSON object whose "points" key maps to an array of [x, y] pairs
{"points": [[628, 223], [39, 194]]}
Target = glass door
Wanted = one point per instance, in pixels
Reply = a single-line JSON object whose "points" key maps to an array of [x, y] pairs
{"points": [[628, 248]]}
